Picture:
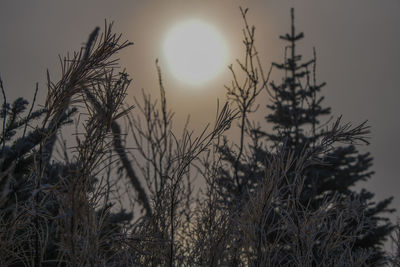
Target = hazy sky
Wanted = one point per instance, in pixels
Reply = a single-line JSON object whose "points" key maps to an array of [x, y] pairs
{"points": [[357, 43]]}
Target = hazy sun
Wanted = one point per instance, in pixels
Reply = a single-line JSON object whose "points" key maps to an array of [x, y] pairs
{"points": [[195, 52]]}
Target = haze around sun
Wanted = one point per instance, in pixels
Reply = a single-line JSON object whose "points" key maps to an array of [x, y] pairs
{"points": [[195, 52]]}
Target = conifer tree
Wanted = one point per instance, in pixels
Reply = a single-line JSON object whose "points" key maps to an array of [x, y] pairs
{"points": [[297, 119], [36, 206], [299, 123]]}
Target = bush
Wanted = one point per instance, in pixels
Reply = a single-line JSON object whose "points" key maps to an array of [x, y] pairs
{"points": [[68, 210]]}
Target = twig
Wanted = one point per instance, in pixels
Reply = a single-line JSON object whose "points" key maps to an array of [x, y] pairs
{"points": [[30, 111], [5, 113]]}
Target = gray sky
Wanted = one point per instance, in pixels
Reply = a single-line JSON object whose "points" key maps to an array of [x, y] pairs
{"points": [[357, 45]]}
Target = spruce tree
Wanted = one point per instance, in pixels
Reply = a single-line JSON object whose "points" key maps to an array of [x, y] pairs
{"points": [[299, 123], [297, 118], [38, 192]]}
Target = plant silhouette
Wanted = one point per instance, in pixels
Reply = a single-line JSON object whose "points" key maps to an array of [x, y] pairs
{"points": [[280, 198]]}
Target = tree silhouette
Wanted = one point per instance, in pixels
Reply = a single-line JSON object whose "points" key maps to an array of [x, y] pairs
{"points": [[297, 119], [279, 198]]}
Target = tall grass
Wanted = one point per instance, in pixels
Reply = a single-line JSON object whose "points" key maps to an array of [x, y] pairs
{"points": [[69, 210]]}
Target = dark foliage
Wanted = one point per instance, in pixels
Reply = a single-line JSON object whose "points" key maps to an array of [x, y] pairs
{"points": [[297, 119], [283, 198]]}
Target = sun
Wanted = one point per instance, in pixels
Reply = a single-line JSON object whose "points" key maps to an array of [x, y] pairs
{"points": [[195, 52]]}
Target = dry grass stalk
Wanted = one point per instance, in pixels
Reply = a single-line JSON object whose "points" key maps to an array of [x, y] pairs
{"points": [[60, 213]]}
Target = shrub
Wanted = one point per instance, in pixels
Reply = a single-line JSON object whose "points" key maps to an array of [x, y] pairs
{"points": [[68, 210]]}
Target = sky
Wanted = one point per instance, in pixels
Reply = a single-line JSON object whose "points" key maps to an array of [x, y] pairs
{"points": [[357, 44]]}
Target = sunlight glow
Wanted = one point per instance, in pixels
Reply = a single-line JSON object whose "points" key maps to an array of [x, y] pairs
{"points": [[195, 52]]}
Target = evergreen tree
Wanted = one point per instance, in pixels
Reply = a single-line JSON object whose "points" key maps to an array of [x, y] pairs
{"points": [[38, 194], [296, 118], [17, 187]]}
